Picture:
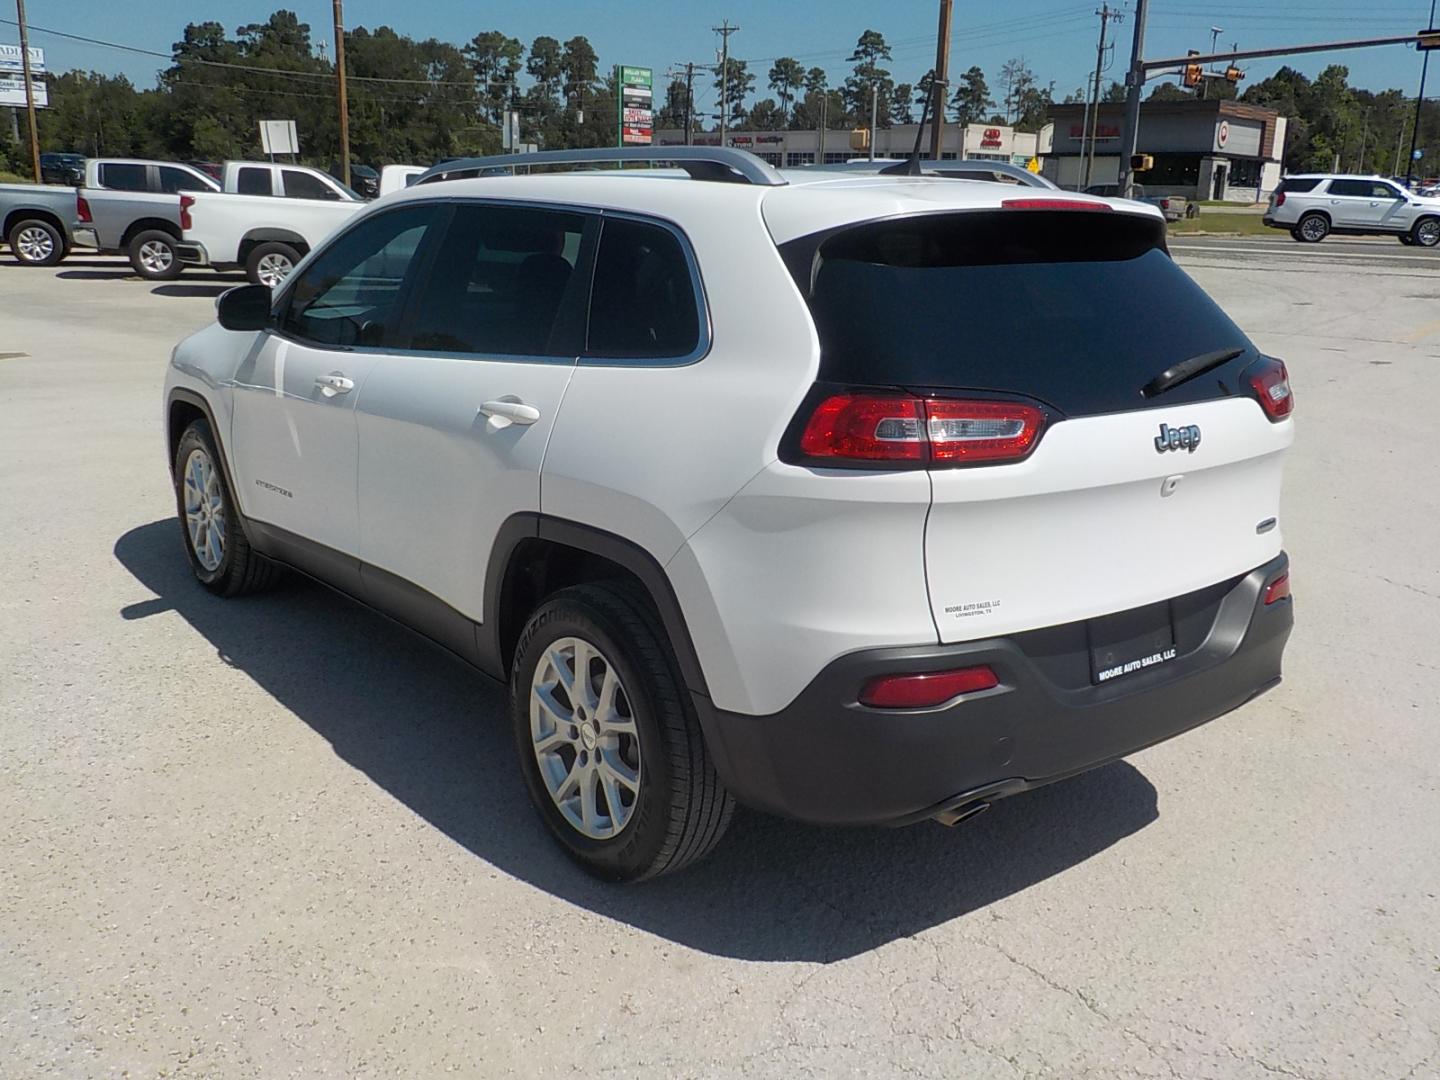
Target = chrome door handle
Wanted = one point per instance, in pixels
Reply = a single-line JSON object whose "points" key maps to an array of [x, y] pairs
{"points": [[334, 383], [512, 410]]}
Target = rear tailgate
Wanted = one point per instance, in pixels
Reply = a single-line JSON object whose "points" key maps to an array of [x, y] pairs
{"points": [[1138, 488]]}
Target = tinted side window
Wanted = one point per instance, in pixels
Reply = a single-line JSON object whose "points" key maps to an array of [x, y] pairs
{"points": [[123, 177], [1293, 186], [643, 303], [350, 294], [1359, 189], [301, 185], [1385, 191], [502, 279], [254, 181], [173, 180]]}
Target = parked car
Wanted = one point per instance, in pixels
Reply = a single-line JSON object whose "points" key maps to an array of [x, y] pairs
{"points": [[37, 222], [1313, 206], [364, 180], [1001, 172], [399, 177], [1174, 207], [68, 169], [132, 207], [264, 235], [676, 460]]}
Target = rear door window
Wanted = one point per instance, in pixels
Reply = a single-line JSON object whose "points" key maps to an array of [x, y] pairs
{"points": [[119, 176], [254, 180], [1077, 310], [1354, 189]]}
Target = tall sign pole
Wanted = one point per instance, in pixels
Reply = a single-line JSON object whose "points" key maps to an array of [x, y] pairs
{"points": [[940, 81], [1419, 100], [724, 30], [343, 104], [29, 88], [1135, 87]]}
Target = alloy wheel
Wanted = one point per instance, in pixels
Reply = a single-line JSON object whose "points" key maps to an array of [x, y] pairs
{"points": [[1314, 229], [1428, 234], [34, 244], [204, 510], [156, 257], [584, 738], [272, 269]]}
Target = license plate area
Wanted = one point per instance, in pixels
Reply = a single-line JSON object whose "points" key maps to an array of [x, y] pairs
{"points": [[1130, 641]]}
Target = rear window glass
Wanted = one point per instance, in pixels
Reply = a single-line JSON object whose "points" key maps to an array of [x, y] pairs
{"points": [[1078, 310], [253, 182], [1298, 184]]}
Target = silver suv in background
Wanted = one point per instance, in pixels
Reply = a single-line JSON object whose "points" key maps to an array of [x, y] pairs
{"points": [[1313, 206]]}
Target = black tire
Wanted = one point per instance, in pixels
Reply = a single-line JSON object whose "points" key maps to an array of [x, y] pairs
{"points": [[1426, 232], [1295, 235], [240, 569], [1312, 228], [35, 242], [261, 253], [153, 256], [1407, 240], [681, 810]]}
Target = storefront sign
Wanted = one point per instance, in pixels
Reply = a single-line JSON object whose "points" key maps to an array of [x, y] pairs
{"points": [[1222, 135]]}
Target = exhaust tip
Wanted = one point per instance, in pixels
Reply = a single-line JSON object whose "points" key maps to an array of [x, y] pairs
{"points": [[956, 814]]}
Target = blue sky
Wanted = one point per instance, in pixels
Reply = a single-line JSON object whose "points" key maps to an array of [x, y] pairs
{"points": [[1055, 37]]}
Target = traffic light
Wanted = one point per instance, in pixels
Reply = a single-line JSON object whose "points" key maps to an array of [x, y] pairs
{"points": [[860, 139], [1233, 74], [1193, 74], [1429, 39], [1141, 163]]}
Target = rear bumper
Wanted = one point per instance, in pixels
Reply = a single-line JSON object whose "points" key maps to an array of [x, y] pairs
{"points": [[192, 254], [828, 759], [85, 237]]}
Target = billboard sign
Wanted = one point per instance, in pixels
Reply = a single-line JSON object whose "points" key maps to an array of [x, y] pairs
{"points": [[12, 77], [279, 137], [635, 87]]}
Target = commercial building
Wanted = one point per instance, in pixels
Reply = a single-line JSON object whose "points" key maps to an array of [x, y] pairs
{"points": [[1202, 149], [789, 149]]}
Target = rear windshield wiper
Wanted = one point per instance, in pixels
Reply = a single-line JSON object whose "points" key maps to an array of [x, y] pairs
{"points": [[1172, 377]]}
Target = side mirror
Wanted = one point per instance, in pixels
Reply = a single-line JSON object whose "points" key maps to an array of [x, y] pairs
{"points": [[245, 308]]}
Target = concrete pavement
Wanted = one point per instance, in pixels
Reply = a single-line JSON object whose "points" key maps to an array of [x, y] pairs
{"points": [[280, 837]]}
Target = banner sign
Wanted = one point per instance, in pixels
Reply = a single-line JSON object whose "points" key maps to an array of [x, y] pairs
{"points": [[12, 77], [635, 87]]}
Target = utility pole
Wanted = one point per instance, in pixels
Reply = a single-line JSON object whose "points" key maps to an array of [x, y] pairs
{"points": [[1419, 100], [29, 88], [724, 30], [1364, 135], [1135, 86], [1105, 16], [689, 103], [343, 103], [940, 81], [824, 122]]}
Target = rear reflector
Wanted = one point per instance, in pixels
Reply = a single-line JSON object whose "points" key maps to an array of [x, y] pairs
{"points": [[1053, 204], [1271, 383], [1279, 589], [82, 210], [938, 431], [926, 690]]}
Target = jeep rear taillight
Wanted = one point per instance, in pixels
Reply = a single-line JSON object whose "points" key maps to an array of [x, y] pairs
{"points": [[1270, 383], [907, 430], [82, 210], [186, 202]]}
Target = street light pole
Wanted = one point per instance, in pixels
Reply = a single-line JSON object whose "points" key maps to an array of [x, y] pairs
{"points": [[1419, 101], [29, 88]]}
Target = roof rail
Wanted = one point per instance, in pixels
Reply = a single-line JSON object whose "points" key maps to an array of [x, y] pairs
{"points": [[715, 163]]}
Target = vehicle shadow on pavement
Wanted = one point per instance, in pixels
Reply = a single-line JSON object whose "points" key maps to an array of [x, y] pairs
{"points": [[196, 290], [435, 735]]}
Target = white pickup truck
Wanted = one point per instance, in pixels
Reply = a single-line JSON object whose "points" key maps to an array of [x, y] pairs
{"points": [[265, 235]]}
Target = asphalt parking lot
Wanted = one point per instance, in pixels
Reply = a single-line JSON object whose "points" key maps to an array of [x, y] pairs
{"points": [[281, 837]]}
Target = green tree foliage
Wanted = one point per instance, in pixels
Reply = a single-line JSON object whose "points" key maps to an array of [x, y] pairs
{"points": [[786, 77], [732, 87], [971, 100], [672, 113], [869, 76], [496, 60], [765, 115]]}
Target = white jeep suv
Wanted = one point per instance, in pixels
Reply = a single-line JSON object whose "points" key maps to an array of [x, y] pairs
{"points": [[857, 499], [1314, 206]]}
